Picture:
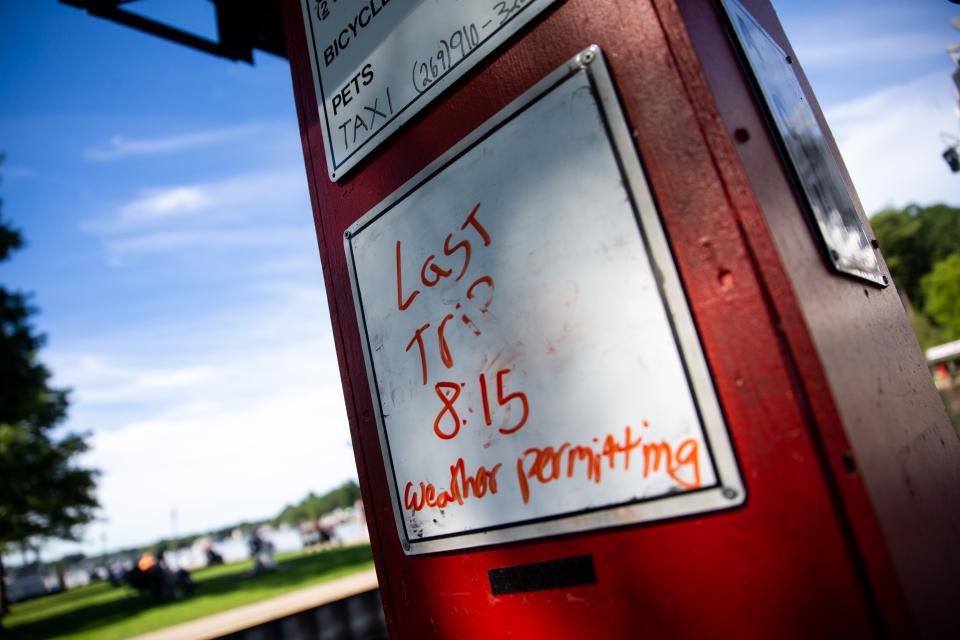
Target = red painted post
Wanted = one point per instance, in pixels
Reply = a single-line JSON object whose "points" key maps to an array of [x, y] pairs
{"points": [[850, 464]]}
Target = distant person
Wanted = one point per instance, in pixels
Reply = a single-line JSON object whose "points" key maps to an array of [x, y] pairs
{"points": [[328, 535], [213, 558], [261, 551], [148, 576], [146, 562], [183, 583], [115, 573], [152, 577], [323, 535]]}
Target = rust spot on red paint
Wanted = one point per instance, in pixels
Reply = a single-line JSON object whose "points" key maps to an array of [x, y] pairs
{"points": [[726, 279]]}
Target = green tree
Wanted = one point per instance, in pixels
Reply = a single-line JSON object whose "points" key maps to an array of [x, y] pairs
{"points": [[941, 294], [916, 240], [44, 492], [899, 236], [313, 506], [912, 239]]}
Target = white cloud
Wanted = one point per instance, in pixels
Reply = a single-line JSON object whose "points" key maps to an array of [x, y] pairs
{"points": [[244, 210], [891, 143], [822, 48], [219, 466], [114, 382], [160, 203], [166, 241], [235, 196], [862, 32], [120, 147], [225, 416]]}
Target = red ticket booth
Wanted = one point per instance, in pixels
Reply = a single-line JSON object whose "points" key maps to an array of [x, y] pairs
{"points": [[618, 350]]}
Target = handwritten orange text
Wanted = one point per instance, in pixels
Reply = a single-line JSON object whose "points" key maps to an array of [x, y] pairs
{"points": [[479, 293], [431, 272], [509, 409], [462, 487], [448, 421], [547, 464]]}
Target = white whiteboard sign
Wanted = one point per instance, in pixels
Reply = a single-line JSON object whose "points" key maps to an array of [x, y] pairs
{"points": [[376, 63], [532, 375]]}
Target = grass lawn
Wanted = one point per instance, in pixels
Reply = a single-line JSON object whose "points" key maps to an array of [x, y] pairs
{"points": [[101, 610]]}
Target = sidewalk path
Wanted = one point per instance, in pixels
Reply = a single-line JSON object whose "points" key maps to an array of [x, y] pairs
{"points": [[251, 615]]}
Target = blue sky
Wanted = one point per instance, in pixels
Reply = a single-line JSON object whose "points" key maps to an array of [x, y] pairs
{"points": [[171, 248], [882, 76]]}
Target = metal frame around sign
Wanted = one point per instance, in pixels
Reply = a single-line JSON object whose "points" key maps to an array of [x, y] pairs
{"points": [[729, 491]]}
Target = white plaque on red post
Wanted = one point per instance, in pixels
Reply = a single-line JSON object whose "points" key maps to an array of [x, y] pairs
{"points": [[377, 63]]}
